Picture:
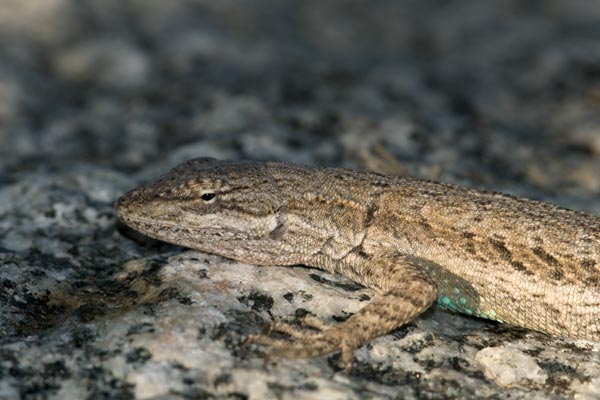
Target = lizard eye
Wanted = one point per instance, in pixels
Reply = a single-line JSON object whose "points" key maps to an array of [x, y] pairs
{"points": [[207, 196]]}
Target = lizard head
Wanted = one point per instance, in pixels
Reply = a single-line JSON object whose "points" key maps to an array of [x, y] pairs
{"points": [[223, 207]]}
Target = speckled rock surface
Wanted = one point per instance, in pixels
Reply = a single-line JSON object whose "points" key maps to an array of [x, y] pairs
{"points": [[98, 96]]}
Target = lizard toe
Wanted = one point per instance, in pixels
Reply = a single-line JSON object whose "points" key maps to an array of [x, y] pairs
{"points": [[314, 323], [290, 330]]}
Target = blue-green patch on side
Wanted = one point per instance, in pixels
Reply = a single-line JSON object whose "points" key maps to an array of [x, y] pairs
{"points": [[460, 304]]}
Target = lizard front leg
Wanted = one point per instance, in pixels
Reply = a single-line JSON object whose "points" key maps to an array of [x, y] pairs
{"points": [[406, 290]]}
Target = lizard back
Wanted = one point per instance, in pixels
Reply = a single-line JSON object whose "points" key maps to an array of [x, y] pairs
{"points": [[492, 255]]}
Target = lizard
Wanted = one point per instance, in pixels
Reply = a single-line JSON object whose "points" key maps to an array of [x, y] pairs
{"points": [[415, 242]]}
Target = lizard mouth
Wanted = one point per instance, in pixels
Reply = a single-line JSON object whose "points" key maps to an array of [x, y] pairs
{"points": [[138, 221], [175, 233]]}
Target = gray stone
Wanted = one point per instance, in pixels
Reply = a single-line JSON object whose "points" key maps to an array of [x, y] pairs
{"points": [[99, 96]]}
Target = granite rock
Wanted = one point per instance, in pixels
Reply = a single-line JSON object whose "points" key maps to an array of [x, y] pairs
{"points": [[98, 96]]}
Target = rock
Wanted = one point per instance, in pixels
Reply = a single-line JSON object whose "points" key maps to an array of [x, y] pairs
{"points": [[106, 63], [510, 367], [99, 96]]}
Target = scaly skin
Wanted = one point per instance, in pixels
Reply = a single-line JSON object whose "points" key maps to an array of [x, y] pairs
{"points": [[495, 256]]}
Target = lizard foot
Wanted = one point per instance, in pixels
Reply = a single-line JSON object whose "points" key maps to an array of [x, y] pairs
{"points": [[305, 344], [407, 292]]}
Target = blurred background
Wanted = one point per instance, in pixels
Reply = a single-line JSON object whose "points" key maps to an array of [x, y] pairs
{"points": [[486, 93]]}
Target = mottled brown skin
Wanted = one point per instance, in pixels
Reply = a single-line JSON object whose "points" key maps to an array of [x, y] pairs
{"points": [[510, 259]]}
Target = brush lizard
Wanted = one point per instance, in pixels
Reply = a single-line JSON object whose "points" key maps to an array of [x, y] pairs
{"points": [[415, 242]]}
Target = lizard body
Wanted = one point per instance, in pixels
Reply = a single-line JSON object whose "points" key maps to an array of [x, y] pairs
{"points": [[491, 255]]}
